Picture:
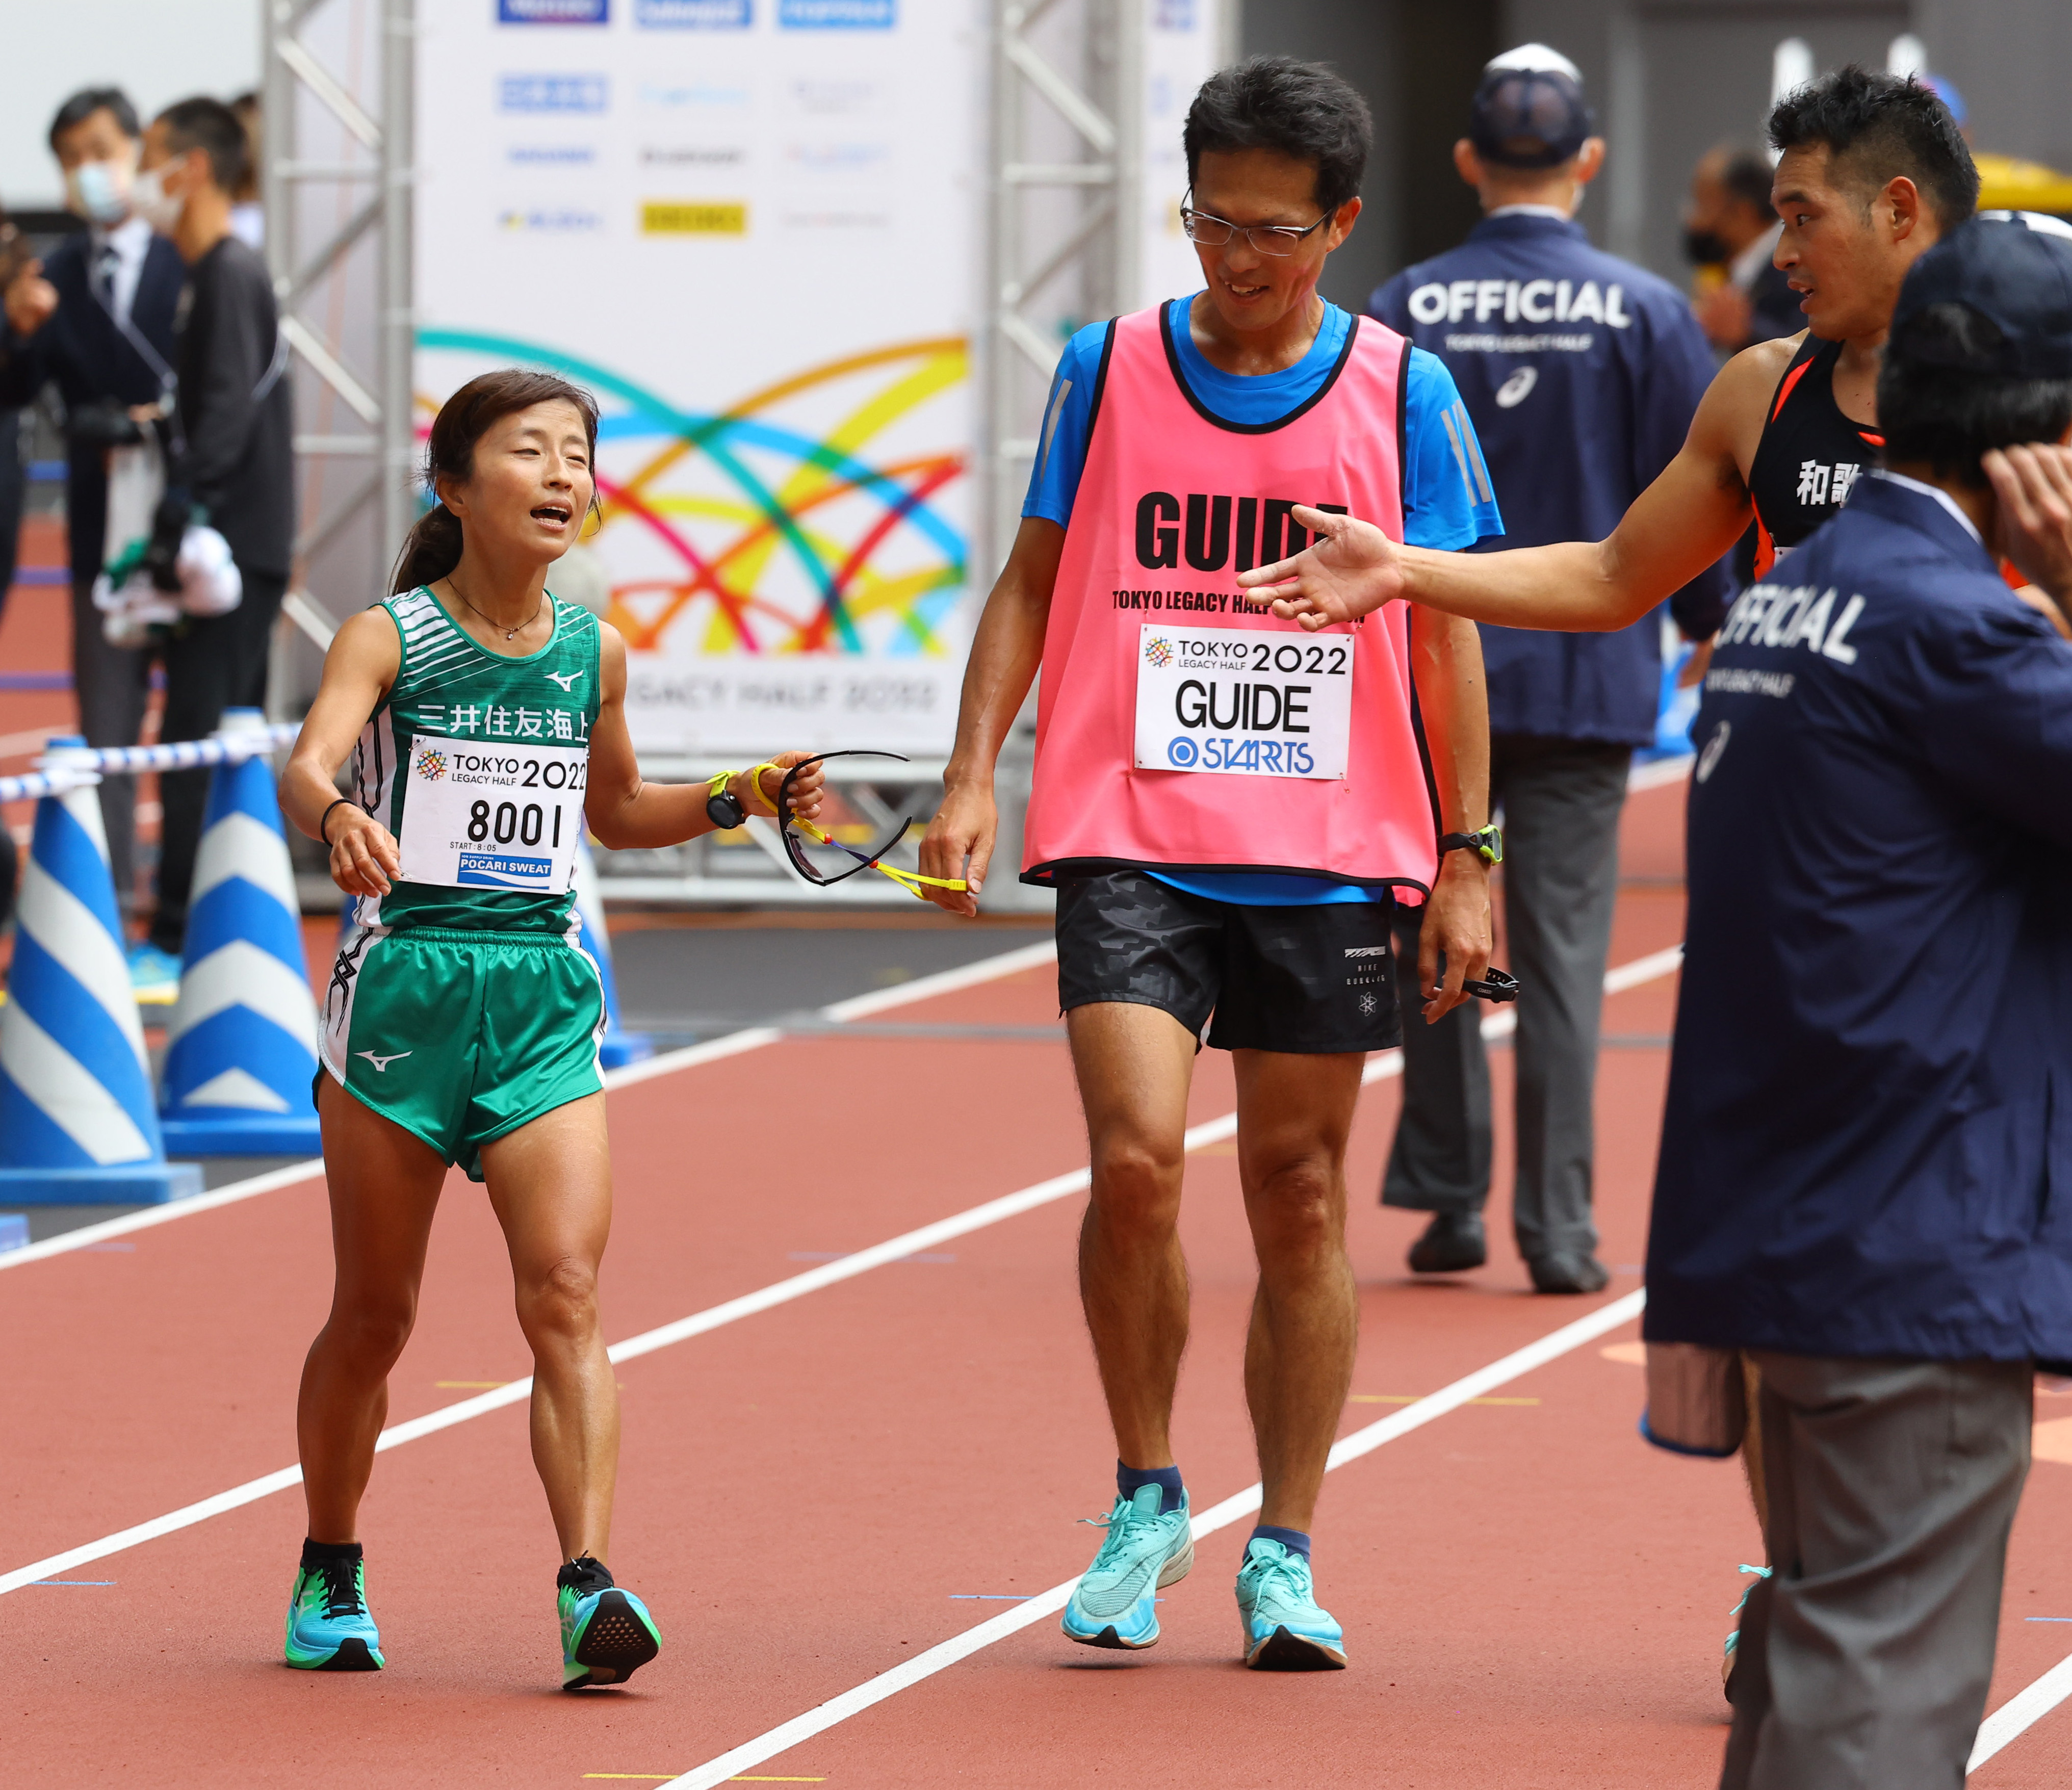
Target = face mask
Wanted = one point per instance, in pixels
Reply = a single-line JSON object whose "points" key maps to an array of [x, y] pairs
{"points": [[152, 203], [1705, 248], [99, 192]]}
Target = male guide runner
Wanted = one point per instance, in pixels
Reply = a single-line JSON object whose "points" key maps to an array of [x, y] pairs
{"points": [[485, 721], [1872, 172], [1228, 808]]}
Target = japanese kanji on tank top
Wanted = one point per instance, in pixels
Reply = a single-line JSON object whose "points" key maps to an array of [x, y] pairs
{"points": [[479, 764], [1177, 725], [1810, 456]]}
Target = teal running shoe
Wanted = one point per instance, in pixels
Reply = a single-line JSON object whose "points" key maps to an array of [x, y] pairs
{"points": [[1276, 1606], [1113, 1604], [606, 1634], [329, 1629]]}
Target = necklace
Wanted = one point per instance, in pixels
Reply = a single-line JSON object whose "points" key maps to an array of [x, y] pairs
{"points": [[509, 633]]}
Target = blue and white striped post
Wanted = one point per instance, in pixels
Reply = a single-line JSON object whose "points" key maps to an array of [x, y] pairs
{"points": [[240, 1050], [620, 1046], [76, 1126]]}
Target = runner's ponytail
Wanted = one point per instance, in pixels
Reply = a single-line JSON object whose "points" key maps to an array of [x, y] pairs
{"points": [[432, 549]]}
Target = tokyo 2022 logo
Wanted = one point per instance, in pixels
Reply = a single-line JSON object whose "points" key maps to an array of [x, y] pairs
{"points": [[1158, 652], [431, 765]]}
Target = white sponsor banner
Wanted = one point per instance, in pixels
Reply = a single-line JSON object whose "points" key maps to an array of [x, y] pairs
{"points": [[750, 227], [1183, 46]]}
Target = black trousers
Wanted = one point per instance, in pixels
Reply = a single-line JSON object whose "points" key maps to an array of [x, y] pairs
{"points": [[1561, 801], [216, 663], [112, 685]]}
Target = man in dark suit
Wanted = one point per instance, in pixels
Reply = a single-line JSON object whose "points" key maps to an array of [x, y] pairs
{"points": [[96, 319]]}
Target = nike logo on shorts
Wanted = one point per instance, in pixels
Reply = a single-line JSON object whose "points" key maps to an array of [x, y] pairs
{"points": [[381, 1063]]}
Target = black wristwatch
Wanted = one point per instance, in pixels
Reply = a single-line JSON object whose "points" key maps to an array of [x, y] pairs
{"points": [[1488, 843], [725, 810]]}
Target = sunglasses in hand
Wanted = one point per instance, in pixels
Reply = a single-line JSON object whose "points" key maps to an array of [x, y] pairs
{"points": [[795, 831]]}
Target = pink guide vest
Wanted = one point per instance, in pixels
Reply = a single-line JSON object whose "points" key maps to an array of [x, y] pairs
{"points": [[1177, 725]]}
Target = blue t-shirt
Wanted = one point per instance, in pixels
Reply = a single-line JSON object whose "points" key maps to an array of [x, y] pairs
{"points": [[1448, 503]]}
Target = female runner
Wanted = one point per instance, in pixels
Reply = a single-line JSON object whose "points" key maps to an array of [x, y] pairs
{"points": [[486, 723]]}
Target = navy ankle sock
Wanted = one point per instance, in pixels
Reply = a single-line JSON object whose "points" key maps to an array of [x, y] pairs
{"points": [[1294, 1540], [323, 1553], [1128, 1480]]}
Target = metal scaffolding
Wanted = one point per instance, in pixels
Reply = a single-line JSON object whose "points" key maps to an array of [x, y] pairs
{"points": [[338, 91]]}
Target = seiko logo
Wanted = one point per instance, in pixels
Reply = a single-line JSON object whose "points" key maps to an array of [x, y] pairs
{"points": [[1244, 532]]}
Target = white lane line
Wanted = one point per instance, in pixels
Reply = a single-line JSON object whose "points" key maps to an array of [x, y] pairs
{"points": [[1384, 1066], [753, 1038], [2020, 1712], [909, 1672]]}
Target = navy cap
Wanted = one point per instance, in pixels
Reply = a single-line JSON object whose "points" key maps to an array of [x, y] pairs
{"points": [[1529, 111], [2013, 269]]}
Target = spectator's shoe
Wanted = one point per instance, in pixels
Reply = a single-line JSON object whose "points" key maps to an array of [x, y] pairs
{"points": [[606, 1634], [1733, 1640], [1114, 1603], [329, 1629], [1453, 1243], [1276, 1607], [1568, 1273], [154, 975]]}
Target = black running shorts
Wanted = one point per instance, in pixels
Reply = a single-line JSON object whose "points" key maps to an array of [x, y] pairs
{"points": [[1311, 980]]}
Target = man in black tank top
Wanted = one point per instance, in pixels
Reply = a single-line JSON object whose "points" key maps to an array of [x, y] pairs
{"points": [[1809, 455]]}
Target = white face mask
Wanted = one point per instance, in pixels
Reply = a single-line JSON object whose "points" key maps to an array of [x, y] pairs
{"points": [[99, 192], [152, 203]]}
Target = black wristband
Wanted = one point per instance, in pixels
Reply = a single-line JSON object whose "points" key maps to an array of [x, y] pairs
{"points": [[324, 820], [1487, 844]]}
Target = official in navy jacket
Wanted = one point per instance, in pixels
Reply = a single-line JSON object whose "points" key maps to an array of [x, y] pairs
{"points": [[1866, 1170], [96, 320], [1580, 372]]}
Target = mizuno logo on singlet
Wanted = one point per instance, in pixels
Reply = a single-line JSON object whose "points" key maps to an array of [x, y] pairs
{"points": [[381, 1063], [565, 679], [1262, 531]]}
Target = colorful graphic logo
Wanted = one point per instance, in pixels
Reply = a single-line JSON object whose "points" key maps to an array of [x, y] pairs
{"points": [[431, 766], [1158, 652], [802, 519]]}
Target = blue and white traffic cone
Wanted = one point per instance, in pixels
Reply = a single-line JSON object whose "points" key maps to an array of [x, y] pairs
{"points": [[76, 1126], [241, 1047], [620, 1046]]}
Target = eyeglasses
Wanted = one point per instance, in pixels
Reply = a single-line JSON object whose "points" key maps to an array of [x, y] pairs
{"points": [[794, 831], [1277, 239]]}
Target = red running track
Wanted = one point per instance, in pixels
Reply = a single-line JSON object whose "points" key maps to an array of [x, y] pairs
{"points": [[811, 1495]]}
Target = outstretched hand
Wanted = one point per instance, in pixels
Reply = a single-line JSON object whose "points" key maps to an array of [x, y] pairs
{"points": [[1350, 568]]}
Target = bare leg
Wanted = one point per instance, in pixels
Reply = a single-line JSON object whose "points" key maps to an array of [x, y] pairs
{"points": [[550, 1185], [1134, 1065], [384, 1186], [1294, 1115]]}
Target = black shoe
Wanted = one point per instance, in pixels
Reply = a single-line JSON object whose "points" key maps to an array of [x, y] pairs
{"points": [[1452, 1242], [1569, 1273]]}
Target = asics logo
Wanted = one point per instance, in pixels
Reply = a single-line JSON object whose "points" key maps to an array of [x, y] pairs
{"points": [[381, 1063], [565, 679]]}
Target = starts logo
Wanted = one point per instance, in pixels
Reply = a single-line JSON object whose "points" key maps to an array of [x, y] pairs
{"points": [[1158, 652], [431, 766]]}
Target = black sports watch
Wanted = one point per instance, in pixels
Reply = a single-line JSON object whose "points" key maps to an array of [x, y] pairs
{"points": [[1487, 844]]}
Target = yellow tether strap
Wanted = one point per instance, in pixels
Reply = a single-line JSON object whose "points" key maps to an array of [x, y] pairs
{"points": [[912, 881]]}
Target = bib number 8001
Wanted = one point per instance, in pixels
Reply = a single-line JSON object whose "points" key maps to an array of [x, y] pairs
{"points": [[526, 825], [489, 816]]}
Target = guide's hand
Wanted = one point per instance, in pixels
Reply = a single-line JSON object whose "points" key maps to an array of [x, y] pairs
{"points": [[2033, 484], [760, 796], [1456, 922], [1350, 568], [363, 852], [960, 844]]}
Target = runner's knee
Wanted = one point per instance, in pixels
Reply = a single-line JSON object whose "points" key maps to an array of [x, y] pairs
{"points": [[372, 1332], [1298, 1208], [1136, 1184], [561, 1302]]}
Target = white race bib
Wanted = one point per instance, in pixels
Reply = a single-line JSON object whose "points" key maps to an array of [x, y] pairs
{"points": [[1242, 701], [481, 814]]}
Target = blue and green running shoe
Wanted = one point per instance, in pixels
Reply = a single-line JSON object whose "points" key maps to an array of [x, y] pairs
{"points": [[1276, 1605], [606, 1634], [1113, 1604], [329, 1629]]}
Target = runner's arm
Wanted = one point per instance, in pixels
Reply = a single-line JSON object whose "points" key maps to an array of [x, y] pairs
{"points": [[1446, 665], [1006, 652], [363, 662], [1686, 519], [627, 812]]}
